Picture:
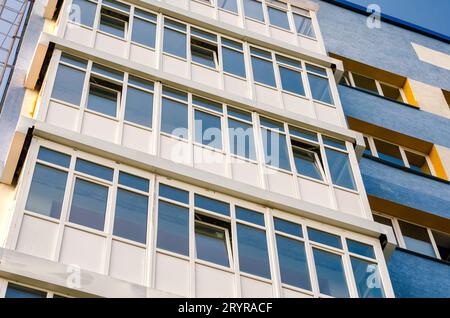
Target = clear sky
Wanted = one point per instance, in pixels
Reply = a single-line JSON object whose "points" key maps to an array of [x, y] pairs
{"points": [[430, 14]]}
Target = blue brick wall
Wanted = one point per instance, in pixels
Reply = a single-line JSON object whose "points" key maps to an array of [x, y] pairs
{"points": [[416, 276], [389, 48], [406, 188]]}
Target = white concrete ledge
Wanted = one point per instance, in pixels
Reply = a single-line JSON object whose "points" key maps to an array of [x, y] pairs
{"points": [[54, 276]]}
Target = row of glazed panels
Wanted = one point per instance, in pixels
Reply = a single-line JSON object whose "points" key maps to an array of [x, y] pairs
{"points": [[238, 68], [148, 116], [114, 219], [282, 22]]}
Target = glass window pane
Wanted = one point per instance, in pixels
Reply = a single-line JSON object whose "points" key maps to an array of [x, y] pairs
{"points": [[117, 5], [46, 191], [416, 238], [172, 193], [233, 62], [330, 273], [443, 244], [94, 169], [137, 81], [145, 14], [89, 204], [253, 255], [68, 85], [306, 163], [302, 133], [304, 25], [55, 157], [275, 149], [293, 264], [291, 81], [175, 42], [203, 34], [253, 9], [242, 142], [340, 168], [391, 92], [316, 69], [113, 23], [230, 5], [206, 103], [109, 72], [239, 113], [389, 152], [16, 291], [334, 143], [73, 60], [175, 25], [83, 12], [367, 278], [249, 216], [278, 18], [174, 118], [203, 55], [324, 238], [131, 181], [288, 227], [130, 220], [173, 228], [211, 244], [263, 71], [208, 129], [418, 162], [174, 93], [139, 107], [365, 83], [212, 205], [360, 248], [103, 100], [320, 88], [266, 122], [144, 32]]}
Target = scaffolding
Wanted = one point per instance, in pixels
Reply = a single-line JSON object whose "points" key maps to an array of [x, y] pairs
{"points": [[12, 24]]}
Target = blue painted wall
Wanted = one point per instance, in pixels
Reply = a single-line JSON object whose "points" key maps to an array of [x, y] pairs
{"points": [[405, 188], [416, 276], [394, 116], [388, 48]]}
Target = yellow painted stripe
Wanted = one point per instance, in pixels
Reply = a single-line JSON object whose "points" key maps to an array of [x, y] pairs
{"points": [[437, 164], [407, 89]]}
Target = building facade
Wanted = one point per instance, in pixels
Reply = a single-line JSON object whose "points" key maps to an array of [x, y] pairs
{"points": [[195, 148], [395, 91]]}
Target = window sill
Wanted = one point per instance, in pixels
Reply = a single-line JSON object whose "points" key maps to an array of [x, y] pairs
{"points": [[409, 170]]}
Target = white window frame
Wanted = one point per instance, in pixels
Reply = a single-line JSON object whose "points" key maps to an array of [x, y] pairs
{"points": [[227, 240]]}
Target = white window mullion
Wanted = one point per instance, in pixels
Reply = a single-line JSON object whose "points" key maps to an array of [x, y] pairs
{"points": [[433, 243]]}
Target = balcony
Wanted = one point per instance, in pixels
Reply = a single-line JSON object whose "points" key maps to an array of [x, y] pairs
{"points": [[405, 187], [414, 275], [395, 116]]}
